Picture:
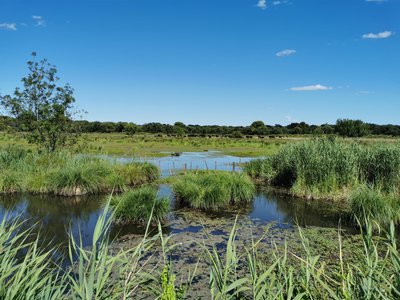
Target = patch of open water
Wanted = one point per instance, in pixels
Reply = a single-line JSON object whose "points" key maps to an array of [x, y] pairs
{"points": [[55, 216]]}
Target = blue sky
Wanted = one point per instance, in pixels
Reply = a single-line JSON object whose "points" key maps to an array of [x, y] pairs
{"points": [[213, 61]]}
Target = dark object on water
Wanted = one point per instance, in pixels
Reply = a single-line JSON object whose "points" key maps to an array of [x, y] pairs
{"points": [[176, 153]]}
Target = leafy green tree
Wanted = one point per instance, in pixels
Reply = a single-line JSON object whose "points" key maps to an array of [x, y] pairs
{"points": [[43, 110], [237, 134], [351, 128], [131, 128], [258, 127]]}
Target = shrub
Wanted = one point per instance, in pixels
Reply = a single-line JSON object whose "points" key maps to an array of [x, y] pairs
{"points": [[139, 205]]}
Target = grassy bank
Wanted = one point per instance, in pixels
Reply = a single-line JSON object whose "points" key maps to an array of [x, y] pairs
{"points": [[236, 272], [213, 190], [330, 168], [367, 176], [68, 174]]}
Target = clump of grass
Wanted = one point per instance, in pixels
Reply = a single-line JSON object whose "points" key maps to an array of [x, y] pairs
{"points": [[380, 166], [329, 168], [138, 173], [63, 173], [259, 169], [10, 182], [81, 176], [373, 205], [213, 190], [141, 206]]}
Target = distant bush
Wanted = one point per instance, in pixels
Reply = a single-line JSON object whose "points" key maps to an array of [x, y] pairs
{"points": [[351, 128]]}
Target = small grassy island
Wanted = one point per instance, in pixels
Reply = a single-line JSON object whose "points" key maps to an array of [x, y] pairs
{"points": [[213, 190], [67, 174]]}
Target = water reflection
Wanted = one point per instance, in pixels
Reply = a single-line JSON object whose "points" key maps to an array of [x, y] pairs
{"points": [[208, 160], [55, 216]]}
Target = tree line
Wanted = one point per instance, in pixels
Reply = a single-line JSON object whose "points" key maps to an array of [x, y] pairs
{"points": [[343, 127]]}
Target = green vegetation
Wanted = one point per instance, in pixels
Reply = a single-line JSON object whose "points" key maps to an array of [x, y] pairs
{"points": [[239, 272], [352, 128], [141, 206], [330, 168], [374, 205], [368, 176], [289, 275], [149, 145], [43, 111], [213, 190], [62, 173]]}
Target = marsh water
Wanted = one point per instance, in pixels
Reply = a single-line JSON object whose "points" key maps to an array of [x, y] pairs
{"points": [[54, 217]]}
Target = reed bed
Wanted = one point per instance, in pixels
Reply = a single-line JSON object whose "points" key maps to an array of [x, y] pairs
{"points": [[213, 190], [238, 272], [68, 174], [366, 176], [326, 167]]}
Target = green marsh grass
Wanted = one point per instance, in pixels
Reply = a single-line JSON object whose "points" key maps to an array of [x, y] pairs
{"points": [[67, 174], [141, 206], [213, 190], [374, 205], [330, 168]]}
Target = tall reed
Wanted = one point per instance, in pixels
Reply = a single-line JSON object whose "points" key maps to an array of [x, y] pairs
{"points": [[241, 271], [330, 168]]}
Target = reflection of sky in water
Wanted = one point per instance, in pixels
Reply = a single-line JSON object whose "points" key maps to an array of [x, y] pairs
{"points": [[212, 160], [54, 216]]}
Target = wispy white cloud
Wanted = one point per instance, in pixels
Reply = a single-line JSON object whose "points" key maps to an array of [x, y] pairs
{"points": [[316, 87], [39, 21], [286, 52], [379, 35], [279, 2], [262, 4], [8, 26], [376, 1]]}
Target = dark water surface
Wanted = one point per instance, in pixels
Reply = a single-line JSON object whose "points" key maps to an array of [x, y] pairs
{"points": [[55, 216]]}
